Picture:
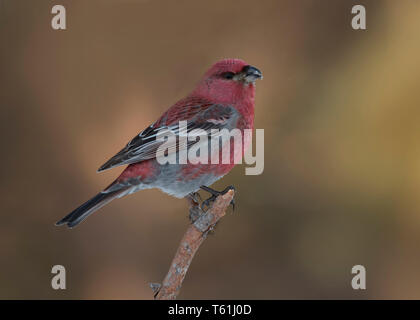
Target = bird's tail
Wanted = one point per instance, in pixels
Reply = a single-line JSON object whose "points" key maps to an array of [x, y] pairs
{"points": [[89, 207]]}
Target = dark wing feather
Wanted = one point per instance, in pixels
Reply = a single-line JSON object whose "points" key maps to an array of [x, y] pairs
{"points": [[144, 145]]}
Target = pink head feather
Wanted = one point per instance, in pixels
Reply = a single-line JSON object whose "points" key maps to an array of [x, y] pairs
{"points": [[219, 90]]}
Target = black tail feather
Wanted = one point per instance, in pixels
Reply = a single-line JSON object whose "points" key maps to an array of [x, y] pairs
{"points": [[90, 206]]}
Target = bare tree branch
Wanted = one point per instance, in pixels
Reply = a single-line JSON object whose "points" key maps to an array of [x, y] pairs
{"points": [[193, 238]]}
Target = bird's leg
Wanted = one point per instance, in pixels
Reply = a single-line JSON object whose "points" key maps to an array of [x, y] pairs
{"points": [[195, 196], [214, 195], [194, 203]]}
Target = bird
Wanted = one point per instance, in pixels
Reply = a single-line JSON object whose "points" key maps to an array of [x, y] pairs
{"points": [[223, 99]]}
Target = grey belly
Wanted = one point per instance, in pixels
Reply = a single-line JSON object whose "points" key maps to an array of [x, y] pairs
{"points": [[170, 182]]}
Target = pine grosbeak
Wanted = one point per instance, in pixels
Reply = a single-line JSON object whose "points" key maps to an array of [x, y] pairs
{"points": [[223, 99]]}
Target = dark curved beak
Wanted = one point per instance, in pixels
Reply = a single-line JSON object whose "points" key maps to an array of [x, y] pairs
{"points": [[251, 74]]}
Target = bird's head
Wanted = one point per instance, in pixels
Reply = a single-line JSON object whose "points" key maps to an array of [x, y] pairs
{"points": [[229, 81]]}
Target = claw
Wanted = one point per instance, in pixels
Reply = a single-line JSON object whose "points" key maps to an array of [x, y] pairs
{"points": [[195, 210], [214, 195], [207, 202], [195, 213]]}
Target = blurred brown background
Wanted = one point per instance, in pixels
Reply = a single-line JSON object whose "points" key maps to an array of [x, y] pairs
{"points": [[340, 109]]}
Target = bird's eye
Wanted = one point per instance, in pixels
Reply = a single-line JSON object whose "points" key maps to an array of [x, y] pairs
{"points": [[227, 75]]}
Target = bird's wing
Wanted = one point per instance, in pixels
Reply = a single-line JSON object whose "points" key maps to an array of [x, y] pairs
{"points": [[200, 115]]}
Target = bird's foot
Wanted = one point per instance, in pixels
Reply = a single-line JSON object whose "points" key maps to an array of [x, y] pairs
{"points": [[195, 211], [214, 195], [195, 197]]}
